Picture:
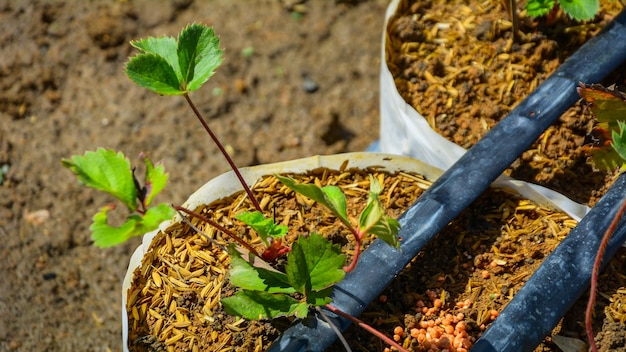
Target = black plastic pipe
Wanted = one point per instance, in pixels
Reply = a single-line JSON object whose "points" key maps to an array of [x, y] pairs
{"points": [[560, 280], [458, 187]]}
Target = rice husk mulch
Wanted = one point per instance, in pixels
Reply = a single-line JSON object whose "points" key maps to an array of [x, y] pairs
{"points": [[457, 64], [474, 267], [174, 301]]}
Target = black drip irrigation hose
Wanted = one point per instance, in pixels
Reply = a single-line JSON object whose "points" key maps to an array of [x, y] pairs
{"points": [[458, 187], [560, 280]]}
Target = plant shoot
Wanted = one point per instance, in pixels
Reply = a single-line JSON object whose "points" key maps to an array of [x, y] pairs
{"points": [[313, 265], [108, 171]]}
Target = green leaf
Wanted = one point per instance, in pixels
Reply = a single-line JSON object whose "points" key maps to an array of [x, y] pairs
{"points": [[154, 73], [154, 217], [320, 298], [371, 215], [164, 47], [609, 108], [105, 235], [314, 264], [607, 105], [375, 186], [606, 158], [156, 179], [107, 171], [174, 67], [374, 210], [263, 226], [246, 276], [387, 230], [255, 305], [580, 10], [337, 202], [198, 55], [619, 140], [373, 219], [537, 8], [329, 196]]}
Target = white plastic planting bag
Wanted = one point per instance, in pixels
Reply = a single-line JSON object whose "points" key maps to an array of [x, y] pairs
{"points": [[404, 131], [228, 184]]}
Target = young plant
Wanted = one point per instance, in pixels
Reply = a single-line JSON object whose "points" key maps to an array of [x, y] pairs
{"points": [[269, 232], [170, 66], [580, 10], [110, 172], [608, 152], [313, 264], [371, 221]]}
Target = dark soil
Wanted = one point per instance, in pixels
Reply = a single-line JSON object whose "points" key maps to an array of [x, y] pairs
{"points": [[64, 92]]}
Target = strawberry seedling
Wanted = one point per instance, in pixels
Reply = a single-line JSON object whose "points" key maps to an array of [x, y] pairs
{"points": [[178, 66], [580, 10]]}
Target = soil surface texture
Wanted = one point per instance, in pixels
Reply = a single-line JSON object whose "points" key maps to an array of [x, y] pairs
{"points": [[298, 79]]}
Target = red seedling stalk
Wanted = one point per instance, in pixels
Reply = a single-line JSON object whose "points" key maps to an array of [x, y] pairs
{"points": [[596, 272], [358, 237], [367, 327], [224, 152], [357, 253], [220, 228]]}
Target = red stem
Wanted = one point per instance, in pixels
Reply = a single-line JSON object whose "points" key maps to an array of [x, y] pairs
{"points": [[596, 272], [357, 252], [358, 237], [219, 227], [367, 327], [224, 152], [142, 208]]}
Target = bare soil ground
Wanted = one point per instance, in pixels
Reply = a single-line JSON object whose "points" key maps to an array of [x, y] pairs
{"points": [[64, 91]]}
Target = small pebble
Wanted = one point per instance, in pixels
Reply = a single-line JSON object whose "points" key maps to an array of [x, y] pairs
{"points": [[309, 85], [49, 276]]}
